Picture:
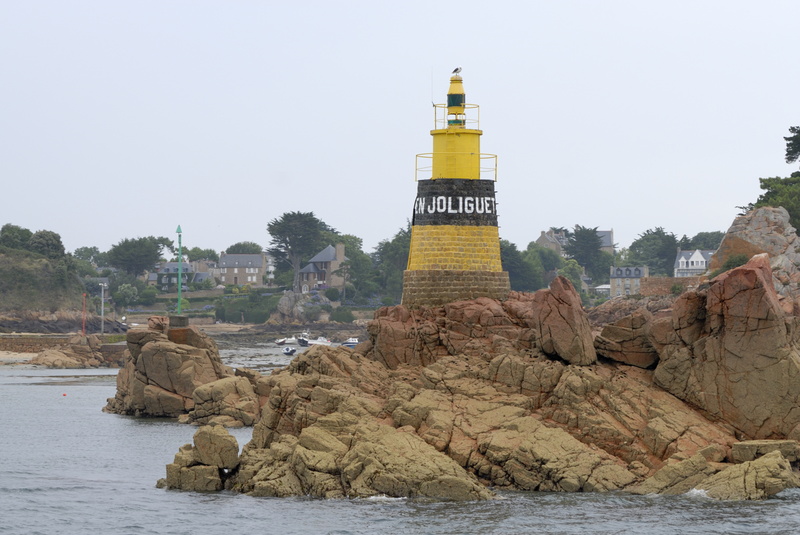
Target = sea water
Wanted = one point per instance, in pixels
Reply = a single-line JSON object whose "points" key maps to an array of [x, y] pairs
{"points": [[66, 467]]}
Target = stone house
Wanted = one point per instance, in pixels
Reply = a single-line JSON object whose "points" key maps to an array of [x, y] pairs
{"points": [[692, 263], [245, 269], [320, 271], [166, 275], [627, 280]]}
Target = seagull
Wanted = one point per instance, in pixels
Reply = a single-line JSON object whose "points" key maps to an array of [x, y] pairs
{"points": [[457, 70]]}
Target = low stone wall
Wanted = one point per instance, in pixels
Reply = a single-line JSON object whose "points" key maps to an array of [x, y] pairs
{"points": [[21, 343], [437, 287], [654, 286]]}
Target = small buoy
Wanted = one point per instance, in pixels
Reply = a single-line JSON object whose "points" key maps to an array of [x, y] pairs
{"points": [[63, 394]]}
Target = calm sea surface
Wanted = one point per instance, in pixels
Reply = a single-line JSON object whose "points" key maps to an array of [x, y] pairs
{"points": [[66, 467]]}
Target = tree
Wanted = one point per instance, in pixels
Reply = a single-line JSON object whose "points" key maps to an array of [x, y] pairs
{"points": [[296, 237], [708, 241], [126, 295], [391, 260], [781, 192], [196, 253], [549, 259], [87, 254], [584, 245], [656, 249], [793, 144], [47, 243], [573, 271], [135, 256], [14, 237], [244, 247], [522, 275]]}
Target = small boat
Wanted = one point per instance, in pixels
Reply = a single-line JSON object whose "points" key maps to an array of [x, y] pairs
{"points": [[302, 342], [291, 340], [289, 351], [350, 342], [320, 341]]}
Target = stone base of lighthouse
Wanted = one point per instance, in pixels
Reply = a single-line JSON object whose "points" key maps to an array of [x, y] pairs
{"points": [[435, 287]]}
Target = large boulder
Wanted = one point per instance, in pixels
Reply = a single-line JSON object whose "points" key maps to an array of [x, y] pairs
{"points": [[628, 340], [734, 353], [752, 480], [206, 465], [163, 367]]}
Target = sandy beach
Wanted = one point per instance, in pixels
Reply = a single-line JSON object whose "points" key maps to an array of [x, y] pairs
{"points": [[9, 357]]}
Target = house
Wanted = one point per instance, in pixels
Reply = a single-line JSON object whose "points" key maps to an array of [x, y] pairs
{"points": [[245, 269], [692, 263], [626, 280], [166, 275], [320, 271], [553, 239]]}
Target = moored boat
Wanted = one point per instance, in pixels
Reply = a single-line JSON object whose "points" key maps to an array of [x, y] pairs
{"points": [[350, 342], [321, 341], [289, 351]]}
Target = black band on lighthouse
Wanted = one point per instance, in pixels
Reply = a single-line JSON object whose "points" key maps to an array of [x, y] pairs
{"points": [[455, 201]]}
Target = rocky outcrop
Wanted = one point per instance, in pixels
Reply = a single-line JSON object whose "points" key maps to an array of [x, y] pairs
{"points": [[80, 352], [628, 340], [231, 402], [447, 401], [299, 308], [450, 401], [735, 355], [765, 230], [163, 367], [206, 465], [752, 480]]}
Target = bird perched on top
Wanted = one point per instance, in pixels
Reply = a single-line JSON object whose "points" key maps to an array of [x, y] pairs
{"points": [[457, 70]]}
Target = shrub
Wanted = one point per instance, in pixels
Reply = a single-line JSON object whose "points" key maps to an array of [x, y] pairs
{"points": [[332, 294], [342, 315]]}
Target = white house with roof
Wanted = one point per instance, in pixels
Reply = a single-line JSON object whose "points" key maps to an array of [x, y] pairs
{"points": [[692, 263]]}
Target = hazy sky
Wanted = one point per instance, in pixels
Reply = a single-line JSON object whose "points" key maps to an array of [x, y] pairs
{"points": [[121, 119]]}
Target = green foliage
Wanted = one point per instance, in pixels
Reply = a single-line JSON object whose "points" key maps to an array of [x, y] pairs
{"points": [[29, 281], [391, 259], [793, 144], [573, 271], [148, 296], [676, 289], [244, 247], [196, 253], [656, 249], [244, 309], [87, 254], [126, 295], [702, 240], [781, 192], [584, 246], [731, 262], [135, 256], [521, 274], [332, 294], [296, 237], [14, 237], [47, 243], [342, 315]]}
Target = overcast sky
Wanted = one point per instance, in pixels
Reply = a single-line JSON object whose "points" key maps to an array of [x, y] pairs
{"points": [[121, 119]]}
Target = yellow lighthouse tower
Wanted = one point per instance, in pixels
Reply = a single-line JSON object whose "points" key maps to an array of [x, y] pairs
{"points": [[455, 243]]}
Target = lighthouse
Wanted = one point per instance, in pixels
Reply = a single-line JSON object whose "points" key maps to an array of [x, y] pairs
{"points": [[455, 242]]}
